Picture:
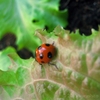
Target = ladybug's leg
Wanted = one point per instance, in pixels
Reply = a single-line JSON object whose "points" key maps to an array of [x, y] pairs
{"points": [[53, 43], [41, 66], [42, 69], [53, 64]]}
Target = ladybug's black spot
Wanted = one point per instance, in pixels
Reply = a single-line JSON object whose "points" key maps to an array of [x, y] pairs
{"points": [[47, 44], [42, 61], [49, 55], [39, 47], [41, 56]]}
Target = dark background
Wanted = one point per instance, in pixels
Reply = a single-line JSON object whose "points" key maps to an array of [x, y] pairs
{"points": [[83, 15]]}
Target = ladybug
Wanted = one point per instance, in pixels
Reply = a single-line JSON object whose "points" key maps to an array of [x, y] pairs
{"points": [[45, 53]]}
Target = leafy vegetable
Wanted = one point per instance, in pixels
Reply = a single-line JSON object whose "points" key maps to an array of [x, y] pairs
{"points": [[77, 76], [5, 61], [16, 16]]}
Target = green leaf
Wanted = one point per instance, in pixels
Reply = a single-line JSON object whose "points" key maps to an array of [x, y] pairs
{"points": [[5, 61], [75, 78], [8, 78], [48, 14], [22, 75], [10, 89], [14, 73], [78, 63], [16, 16], [54, 91]]}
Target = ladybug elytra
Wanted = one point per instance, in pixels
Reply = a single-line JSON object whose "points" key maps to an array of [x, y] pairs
{"points": [[45, 53]]}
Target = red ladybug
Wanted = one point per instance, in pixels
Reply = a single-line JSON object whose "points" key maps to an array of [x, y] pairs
{"points": [[45, 53]]}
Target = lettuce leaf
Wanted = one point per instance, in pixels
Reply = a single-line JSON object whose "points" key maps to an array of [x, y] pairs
{"points": [[77, 76], [17, 17]]}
